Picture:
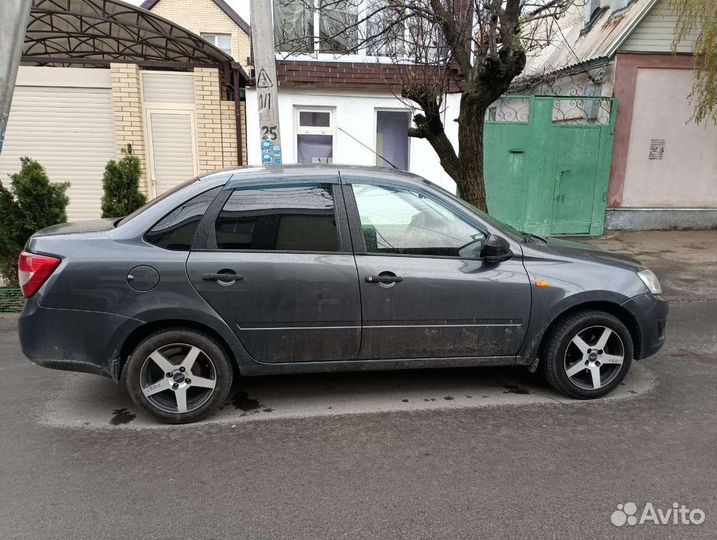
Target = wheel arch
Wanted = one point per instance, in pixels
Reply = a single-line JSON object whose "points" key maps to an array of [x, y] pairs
{"points": [[136, 336], [535, 350]]}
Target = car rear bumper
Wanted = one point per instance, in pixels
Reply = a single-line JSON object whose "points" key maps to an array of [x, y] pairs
{"points": [[73, 340], [651, 314]]}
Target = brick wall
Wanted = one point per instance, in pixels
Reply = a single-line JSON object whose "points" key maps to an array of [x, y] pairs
{"points": [[215, 123], [205, 16], [365, 76], [354, 75], [127, 113]]}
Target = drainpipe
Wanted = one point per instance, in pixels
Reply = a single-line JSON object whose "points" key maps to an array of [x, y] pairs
{"points": [[237, 112]]}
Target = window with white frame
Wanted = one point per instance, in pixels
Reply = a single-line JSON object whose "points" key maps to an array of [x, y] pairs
{"points": [[221, 41], [314, 135], [377, 28]]}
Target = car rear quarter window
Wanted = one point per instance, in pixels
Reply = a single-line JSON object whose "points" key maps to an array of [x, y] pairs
{"points": [[176, 230], [279, 218]]}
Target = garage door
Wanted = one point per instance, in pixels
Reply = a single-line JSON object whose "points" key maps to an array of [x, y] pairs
{"points": [[70, 132]]}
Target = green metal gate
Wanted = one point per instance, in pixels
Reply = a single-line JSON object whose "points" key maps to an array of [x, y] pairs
{"points": [[547, 162]]}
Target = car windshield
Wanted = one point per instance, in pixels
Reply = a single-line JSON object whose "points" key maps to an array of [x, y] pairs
{"points": [[154, 201]]}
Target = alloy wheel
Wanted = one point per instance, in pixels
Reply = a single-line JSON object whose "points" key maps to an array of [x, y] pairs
{"points": [[594, 357], [178, 378]]}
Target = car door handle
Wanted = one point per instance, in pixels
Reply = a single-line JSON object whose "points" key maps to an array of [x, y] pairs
{"points": [[384, 278], [223, 277]]}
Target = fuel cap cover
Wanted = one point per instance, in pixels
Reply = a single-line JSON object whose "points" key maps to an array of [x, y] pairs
{"points": [[143, 278]]}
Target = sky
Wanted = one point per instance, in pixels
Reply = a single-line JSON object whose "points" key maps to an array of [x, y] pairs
{"points": [[240, 6]]}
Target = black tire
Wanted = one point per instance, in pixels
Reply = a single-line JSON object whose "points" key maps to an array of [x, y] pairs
{"points": [[211, 365], [560, 354]]}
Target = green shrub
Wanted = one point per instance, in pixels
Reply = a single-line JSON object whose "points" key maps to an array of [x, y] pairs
{"points": [[32, 203], [121, 187]]}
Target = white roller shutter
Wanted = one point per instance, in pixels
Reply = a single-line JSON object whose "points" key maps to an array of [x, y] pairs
{"points": [[70, 132], [167, 87]]}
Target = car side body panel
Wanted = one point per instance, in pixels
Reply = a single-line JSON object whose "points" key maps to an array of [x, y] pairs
{"points": [[83, 315]]}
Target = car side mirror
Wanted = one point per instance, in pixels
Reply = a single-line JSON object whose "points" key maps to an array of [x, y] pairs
{"points": [[496, 249]]}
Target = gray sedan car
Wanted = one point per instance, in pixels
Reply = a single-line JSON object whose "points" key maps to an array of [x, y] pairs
{"points": [[302, 269]]}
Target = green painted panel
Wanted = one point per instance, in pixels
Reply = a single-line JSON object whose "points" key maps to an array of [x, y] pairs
{"points": [[547, 162], [574, 171]]}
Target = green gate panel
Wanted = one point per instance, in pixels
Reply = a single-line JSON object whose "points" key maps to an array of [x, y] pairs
{"points": [[547, 162]]}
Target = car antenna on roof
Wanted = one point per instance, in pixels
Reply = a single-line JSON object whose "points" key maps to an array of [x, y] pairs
{"points": [[366, 146]]}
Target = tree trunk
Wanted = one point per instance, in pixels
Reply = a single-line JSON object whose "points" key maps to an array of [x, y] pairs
{"points": [[471, 179]]}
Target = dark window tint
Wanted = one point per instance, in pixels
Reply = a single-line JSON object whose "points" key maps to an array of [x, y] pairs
{"points": [[283, 218], [176, 230]]}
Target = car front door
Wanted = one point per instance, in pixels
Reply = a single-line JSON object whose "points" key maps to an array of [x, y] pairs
{"points": [[425, 293], [275, 262]]}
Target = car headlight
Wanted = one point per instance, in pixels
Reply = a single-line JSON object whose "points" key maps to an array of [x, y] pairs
{"points": [[650, 280]]}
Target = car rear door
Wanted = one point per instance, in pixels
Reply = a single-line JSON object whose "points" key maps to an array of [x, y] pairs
{"points": [[422, 296], [274, 260]]}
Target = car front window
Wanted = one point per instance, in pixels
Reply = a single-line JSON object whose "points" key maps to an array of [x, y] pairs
{"points": [[405, 221], [504, 228]]}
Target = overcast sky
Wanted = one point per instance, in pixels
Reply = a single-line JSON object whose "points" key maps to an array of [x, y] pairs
{"points": [[240, 6]]}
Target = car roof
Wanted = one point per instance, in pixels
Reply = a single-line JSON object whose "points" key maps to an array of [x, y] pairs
{"points": [[288, 172]]}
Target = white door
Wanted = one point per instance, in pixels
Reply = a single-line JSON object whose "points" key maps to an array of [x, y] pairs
{"points": [[172, 148], [70, 132]]}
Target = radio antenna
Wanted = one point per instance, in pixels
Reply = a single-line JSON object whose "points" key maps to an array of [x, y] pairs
{"points": [[366, 146]]}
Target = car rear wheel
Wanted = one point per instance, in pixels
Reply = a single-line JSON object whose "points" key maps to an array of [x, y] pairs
{"points": [[587, 354], [178, 376]]}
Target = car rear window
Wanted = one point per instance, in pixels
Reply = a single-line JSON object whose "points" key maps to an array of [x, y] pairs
{"points": [[154, 201], [176, 230]]}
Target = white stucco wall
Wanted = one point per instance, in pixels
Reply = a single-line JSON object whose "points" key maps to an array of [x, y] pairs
{"points": [[686, 174], [355, 112]]}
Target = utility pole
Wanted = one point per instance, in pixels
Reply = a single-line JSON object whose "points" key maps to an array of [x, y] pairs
{"points": [[262, 35], [14, 17]]}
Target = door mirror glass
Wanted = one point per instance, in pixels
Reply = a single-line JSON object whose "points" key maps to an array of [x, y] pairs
{"points": [[496, 249]]}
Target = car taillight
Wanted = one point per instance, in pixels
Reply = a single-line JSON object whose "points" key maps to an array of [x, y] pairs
{"points": [[33, 270]]}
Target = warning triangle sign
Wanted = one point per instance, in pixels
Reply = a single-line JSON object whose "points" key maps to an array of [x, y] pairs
{"points": [[263, 80]]}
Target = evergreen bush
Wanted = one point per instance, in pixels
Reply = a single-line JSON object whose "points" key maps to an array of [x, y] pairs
{"points": [[121, 187], [31, 203]]}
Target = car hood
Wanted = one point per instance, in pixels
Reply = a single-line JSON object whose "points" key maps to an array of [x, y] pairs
{"points": [[585, 252]]}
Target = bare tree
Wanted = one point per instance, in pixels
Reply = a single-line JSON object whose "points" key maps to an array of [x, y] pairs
{"points": [[474, 47]]}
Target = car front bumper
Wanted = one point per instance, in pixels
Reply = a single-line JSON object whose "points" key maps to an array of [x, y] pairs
{"points": [[73, 340], [650, 312]]}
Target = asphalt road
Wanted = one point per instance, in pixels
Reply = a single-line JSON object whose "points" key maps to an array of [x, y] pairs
{"points": [[77, 462]]}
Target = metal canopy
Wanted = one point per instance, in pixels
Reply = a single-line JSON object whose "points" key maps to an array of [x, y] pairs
{"points": [[97, 32]]}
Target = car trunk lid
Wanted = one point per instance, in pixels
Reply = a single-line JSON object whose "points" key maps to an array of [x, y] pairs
{"points": [[75, 227]]}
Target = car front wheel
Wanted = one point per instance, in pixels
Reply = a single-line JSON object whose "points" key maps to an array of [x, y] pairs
{"points": [[587, 354], [178, 376]]}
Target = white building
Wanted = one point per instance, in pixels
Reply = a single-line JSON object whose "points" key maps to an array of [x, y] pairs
{"points": [[333, 106]]}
